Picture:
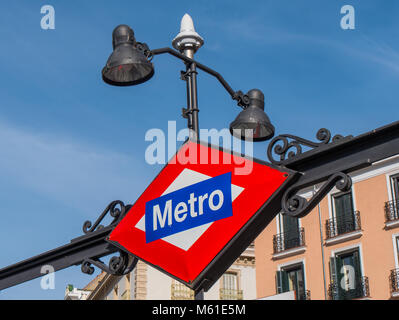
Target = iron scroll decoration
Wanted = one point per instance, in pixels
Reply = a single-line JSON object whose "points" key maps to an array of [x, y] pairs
{"points": [[121, 265], [296, 206], [288, 150], [116, 209]]}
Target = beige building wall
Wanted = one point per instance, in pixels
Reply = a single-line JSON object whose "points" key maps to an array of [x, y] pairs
{"points": [[371, 190], [147, 283]]}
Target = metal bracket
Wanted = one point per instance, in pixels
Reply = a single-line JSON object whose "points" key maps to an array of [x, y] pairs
{"points": [[115, 212], [143, 47], [118, 266], [298, 207], [185, 112], [241, 98], [289, 150]]}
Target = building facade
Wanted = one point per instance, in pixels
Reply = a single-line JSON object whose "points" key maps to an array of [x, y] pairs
{"points": [[346, 248], [147, 283]]}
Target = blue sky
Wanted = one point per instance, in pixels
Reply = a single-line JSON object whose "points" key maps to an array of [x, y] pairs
{"points": [[70, 144]]}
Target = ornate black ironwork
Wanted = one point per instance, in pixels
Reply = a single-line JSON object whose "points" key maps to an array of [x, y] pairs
{"points": [[394, 281], [391, 209], [114, 211], [120, 266], [305, 295], [117, 265], [342, 224], [361, 290], [297, 206], [288, 240], [290, 149]]}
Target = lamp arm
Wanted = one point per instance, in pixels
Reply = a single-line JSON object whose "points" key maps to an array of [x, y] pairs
{"points": [[241, 98]]}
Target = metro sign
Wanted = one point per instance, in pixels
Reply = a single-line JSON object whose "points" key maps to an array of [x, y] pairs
{"points": [[198, 215]]}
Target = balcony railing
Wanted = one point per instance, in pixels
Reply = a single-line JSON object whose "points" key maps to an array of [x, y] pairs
{"points": [[394, 281], [360, 290], [181, 292], [288, 240], [230, 294], [305, 295], [343, 224], [391, 209]]}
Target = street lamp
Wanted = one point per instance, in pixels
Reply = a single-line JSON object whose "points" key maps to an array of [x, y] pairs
{"points": [[252, 122], [130, 64], [127, 64]]}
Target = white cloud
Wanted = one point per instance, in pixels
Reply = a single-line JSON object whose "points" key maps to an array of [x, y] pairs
{"points": [[71, 172]]}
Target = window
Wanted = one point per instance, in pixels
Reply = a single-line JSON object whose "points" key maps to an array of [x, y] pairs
{"points": [[394, 276], [347, 281], [392, 207], [230, 287], [344, 215], [291, 237], [292, 279], [397, 247], [395, 187]]}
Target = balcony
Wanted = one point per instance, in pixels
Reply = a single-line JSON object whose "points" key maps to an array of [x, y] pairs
{"points": [[304, 295], [342, 228], [394, 283], [391, 209], [291, 240], [230, 294], [360, 290], [180, 291]]}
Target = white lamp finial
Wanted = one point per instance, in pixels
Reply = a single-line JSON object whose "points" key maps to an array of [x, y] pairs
{"points": [[188, 38]]}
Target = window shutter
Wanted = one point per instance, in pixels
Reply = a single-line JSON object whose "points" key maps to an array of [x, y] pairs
{"points": [[334, 279], [303, 276], [333, 270], [356, 262], [279, 282], [284, 278], [395, 187]]}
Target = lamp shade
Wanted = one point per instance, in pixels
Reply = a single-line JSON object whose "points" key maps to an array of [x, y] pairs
{"points": [[252, 123], [127, 65]]}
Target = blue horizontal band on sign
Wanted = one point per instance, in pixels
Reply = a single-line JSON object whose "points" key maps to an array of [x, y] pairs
{"points": [[189, 207]]}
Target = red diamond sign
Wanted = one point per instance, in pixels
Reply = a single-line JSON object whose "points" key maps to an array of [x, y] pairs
{"points": [[201, 211]]}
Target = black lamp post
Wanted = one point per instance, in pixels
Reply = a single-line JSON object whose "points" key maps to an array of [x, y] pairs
{"points": [[130, 64]]}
